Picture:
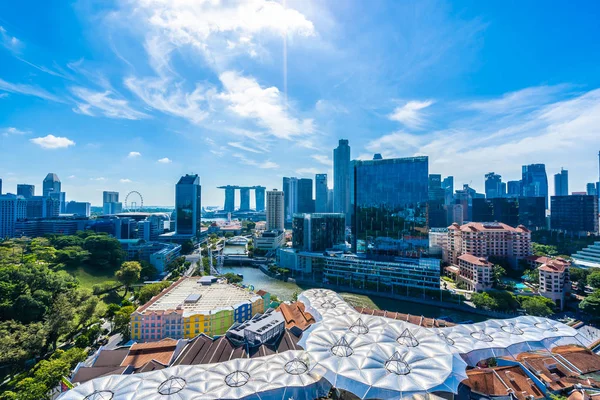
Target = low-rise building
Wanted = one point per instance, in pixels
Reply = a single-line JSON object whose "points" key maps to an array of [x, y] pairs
{"points": [[191, 307], [269, 240], [261, 329], [475, 272], [554, 280], [438, 238], [156, 253], [588, 257]]}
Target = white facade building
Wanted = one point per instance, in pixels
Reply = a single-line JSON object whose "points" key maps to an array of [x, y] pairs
{"points": [[475, 272], [275, 210], [554, 280]]}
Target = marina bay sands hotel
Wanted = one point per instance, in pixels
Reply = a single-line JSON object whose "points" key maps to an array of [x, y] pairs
{"points": [[259, 192]]}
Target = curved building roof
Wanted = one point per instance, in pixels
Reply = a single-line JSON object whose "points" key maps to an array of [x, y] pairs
{"points": [[369, 356]]}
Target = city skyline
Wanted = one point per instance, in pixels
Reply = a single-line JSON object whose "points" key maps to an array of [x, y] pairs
{"points": [[452, 81]]}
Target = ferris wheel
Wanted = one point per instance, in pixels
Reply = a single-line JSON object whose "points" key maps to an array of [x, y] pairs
{"points": [[134, 201]]}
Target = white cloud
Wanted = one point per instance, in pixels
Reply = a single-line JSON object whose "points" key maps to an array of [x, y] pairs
{"points": [[266, 106], [134, 154], [72, 177], [3, 95], [395, 144], [410, 114], [8, 41], [330, 107], [308, 171], [323, 159], [12, 131], [52, 142], [164, 95], [518, 101], [28, 90], [165, 161], [125, 180], [266, 164], [242, 146], [99, 179], [105, 103]]}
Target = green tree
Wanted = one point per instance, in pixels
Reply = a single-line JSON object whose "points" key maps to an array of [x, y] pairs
{"points": [[87, 311], [484, 301], [532, 275], [121, 321], [148, 270], [72, 256], [129, 273], [578, 274], [20, 342], [59, 319], [591, 304], [148, 291], [497, 274], [233, 278], [187, 247], [537, 306], [105, 251], [593, 279]]}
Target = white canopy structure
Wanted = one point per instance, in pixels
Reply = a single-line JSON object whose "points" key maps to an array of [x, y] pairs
{"points": [[369, 356]]}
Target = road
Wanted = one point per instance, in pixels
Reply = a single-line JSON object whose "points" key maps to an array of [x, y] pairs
{"points": [[195, 258]]}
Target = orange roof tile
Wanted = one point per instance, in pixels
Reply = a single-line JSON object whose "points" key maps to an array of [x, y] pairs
{"points": [[295, 315]]}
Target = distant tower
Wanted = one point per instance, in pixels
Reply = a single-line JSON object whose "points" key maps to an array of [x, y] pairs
{"points": [[259, 193], [341, 179], [51, 184], [275, 210], [561, 183], [321, 193], [188, 205], [244, 199]]}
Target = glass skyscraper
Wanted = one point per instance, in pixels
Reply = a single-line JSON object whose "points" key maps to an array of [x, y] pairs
{"points": [[321, 193], [534, 182], [188, 205], [341, 178], [306, 204], [390, 206], [318, 232], [493, 185], [561, 183]]}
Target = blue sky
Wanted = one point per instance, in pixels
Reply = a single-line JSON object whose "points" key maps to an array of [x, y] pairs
{"points": [[129, 95]]}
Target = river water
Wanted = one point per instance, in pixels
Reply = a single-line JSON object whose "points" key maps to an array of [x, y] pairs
{"points": [[285, 291]]}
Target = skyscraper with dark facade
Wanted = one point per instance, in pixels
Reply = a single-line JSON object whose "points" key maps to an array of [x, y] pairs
{"points": [[535, 181], [27, 191], [436, 209], [505, 210], [341, 179], [448, 185], [493, 185], [513, 189], [532, 213], [576, 214], [306, 204], [390, 205], [321, 193], [51, 184], [290, 192], [318, 232], [188, 205], [561, 183]]}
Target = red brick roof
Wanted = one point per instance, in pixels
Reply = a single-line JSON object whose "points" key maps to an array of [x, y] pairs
{"points": [[295, 315], [475, 260]]}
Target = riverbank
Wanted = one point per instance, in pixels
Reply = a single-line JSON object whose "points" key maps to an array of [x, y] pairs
{"points": [[285, 291]]}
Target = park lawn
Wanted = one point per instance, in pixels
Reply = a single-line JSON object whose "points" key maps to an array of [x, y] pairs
{"points": [[88, 278]]}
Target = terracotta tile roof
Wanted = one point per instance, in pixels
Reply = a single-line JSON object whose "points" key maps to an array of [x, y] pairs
{"points": [[141, 353], [295, 315], [85, 374], [111, 358], [475, 260], [413, 319], [489, 227], [261, 292], [555, 265], [501, 381], [583, 359], [151, 366]]}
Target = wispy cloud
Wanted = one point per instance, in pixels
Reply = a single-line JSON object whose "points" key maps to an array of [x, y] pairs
{"points": [[3, 95], [323, 159], [53, 142], [134, 154], [13, 131], [10, 42], [266, 106], [165, 160], [242, 146], [411, 114], [308, 171], [98, 179], [125, 180], [28, 90], [266, 164], [105, 104]]}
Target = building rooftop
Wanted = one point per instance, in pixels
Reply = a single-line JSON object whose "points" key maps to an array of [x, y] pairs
{"points": [[295, 316], [142, 353], [488, 227], [209, 297], [501, 381], [555, 265], [475, 260]]}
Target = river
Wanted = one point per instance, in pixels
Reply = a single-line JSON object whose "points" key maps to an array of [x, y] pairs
{"points": [[285, 291]]}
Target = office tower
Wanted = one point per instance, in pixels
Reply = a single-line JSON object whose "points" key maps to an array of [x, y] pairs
{"points": [[188, 205], [465, 197], [259, 198], [78, 208], [27, 191], [12, 209], [51, 184], [390, 199], [321, 191], [110, 203], [505, 210], [576, 215], [244, 199], [436, 210], [61, 198], [436, 191], [275, 210], [42, 207], [448, 185], [532, 213], [110, 197], [591, 189], [514, 189], [535, 182], [318, 232], [330, 200], [488, 239], [0, 186], [561, 183], [341, 179], [306, 204], [493, 185], [290, 191]]}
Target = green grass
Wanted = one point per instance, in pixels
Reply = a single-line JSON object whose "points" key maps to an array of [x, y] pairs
{"points": [[88, 278]]}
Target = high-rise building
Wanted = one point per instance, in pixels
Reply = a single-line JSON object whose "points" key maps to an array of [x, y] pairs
{"points": [[0, 186], [27, 191], [448, 185], [436, 191], [110, 197], [188, 205], [436, 209], [576, 214], [61, 198], [514, 189], [561, 183], [321, 191], [505, 210], [493, 185], [532, 213], [341, 179], [306, 204], [591, 189], [318, 232], [244, 199], [275, 210], [229, 205], [51, 184], [329, 200], [78, 208], [535, 181], [12, 208], [110, 203], [290, 191], [42, 207], [259, 198], [390, 206]]}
